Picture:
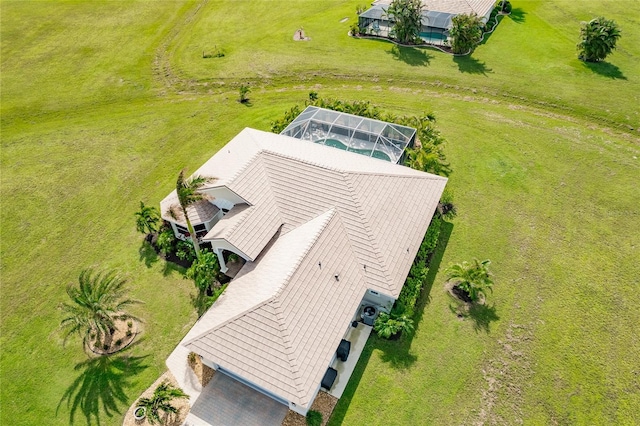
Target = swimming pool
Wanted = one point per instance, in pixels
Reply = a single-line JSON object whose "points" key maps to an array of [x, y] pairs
{"points": [[340, 145]]}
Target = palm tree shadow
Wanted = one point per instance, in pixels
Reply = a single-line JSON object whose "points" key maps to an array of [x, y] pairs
{"points": [[468, 64], [517, 15], [396, 353], [101, 385], [483, 316], [148, 254], [410, 55], [605, 69]]}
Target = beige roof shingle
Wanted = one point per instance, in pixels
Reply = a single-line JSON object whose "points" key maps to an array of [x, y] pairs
{"points": [[280, 321]]}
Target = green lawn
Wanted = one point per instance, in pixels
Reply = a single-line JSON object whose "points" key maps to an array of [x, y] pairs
{"points": [[103, 103]]}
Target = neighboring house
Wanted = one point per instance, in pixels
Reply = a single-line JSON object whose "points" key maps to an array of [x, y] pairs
{"points": [[436, 17], [324, 232]]}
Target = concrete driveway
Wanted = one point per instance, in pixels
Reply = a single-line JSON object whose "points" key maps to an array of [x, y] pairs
{"points": [[227, 402]]}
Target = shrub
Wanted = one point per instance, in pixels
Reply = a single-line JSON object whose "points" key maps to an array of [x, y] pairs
{"points": [[185, 250], [204, 271], [105, 347], [354, 30], [129, 324], [506, 7], [314, 418], [243, 91], [192, 358], [166, 241], [313, 96], [129, 333], [388, 325], [119, 342], [446, 208]]}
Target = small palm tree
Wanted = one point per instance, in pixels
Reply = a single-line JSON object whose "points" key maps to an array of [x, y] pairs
{"points": [[97, 302], [389, 325], [161, 401], [147, 219], [188, 191], [428, 158], [598, 38], [473, 278]]}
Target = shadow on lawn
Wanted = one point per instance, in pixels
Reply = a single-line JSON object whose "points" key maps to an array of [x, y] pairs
{"points": [[471, 65], [101, 386], [397, 352], [148, 254], [483, 316], [518, 15], [410, 55], [605, 69]]}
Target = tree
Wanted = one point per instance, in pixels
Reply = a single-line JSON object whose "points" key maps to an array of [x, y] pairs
{"points": [[96, 303], [204, 271], [188, 191], [465, 33], [473, 278], [243, 92], [161, 400], [406, 16], [598, 38], [147, 219], [428, 158]]}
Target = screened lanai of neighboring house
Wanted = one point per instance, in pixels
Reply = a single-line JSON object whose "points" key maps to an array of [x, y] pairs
{"points": [[366, 136]]}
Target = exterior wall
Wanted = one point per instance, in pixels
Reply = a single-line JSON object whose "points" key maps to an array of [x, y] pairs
{"points": [[379, 299], [207, 225]]}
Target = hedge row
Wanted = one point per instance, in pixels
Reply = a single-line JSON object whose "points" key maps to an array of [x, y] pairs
{"points": [[419, 270]]}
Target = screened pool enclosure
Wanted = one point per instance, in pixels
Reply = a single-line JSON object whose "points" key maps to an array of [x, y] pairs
{"points": [[365, 136]]}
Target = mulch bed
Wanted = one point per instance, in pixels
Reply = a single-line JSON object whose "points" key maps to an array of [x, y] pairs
{"points": [[202, 372], [182, 404], [119, 335], [324, 403]]}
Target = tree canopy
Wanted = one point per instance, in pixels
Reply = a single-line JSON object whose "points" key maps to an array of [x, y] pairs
{"points": [[465, 33], [406, 16], [598, 38], [473, 278]]}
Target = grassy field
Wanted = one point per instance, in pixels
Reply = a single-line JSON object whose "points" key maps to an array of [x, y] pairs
{"points": [[103, 103]]}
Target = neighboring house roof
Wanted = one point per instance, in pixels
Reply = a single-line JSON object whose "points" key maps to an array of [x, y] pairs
{"points": [[438, 13], [281, 319], [457, 7]]}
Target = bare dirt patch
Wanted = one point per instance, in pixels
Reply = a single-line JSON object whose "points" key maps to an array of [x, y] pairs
{"points": [[324, 403]]}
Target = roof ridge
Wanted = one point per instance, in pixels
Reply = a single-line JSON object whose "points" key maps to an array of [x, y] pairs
{"points": [[293, 361], [365, 222]]}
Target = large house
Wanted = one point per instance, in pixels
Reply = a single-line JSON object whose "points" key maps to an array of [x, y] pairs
{"points": [[436, 17], [328, 237]]}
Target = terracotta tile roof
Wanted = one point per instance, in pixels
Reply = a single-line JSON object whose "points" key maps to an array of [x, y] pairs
{"points": [[280, 321]]}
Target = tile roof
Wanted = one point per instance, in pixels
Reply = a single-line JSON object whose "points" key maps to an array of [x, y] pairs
{"points": [[456, 7], [280, 320], [199, 212]]}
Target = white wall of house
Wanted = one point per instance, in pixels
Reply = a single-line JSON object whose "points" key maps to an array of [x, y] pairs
{"points": [[208, 225]]}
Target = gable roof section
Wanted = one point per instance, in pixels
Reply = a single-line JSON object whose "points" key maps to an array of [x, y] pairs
{"points": [[249, 228], [266, 330]]}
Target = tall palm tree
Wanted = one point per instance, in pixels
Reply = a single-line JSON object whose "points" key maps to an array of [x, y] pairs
{"points": [[97, 302], [161, 401], [473, 278], [147, 219], [188, 191]]}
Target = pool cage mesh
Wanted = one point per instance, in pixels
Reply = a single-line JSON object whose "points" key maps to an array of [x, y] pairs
{"points": [[365, 136]]}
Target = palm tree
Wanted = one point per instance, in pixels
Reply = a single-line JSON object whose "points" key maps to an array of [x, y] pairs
{"points": [[188, 191], [161, 401], [96, 303], [598, 38], [406, 16], [473, 278], [390, 325], [147, 219], [428, 158]]}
